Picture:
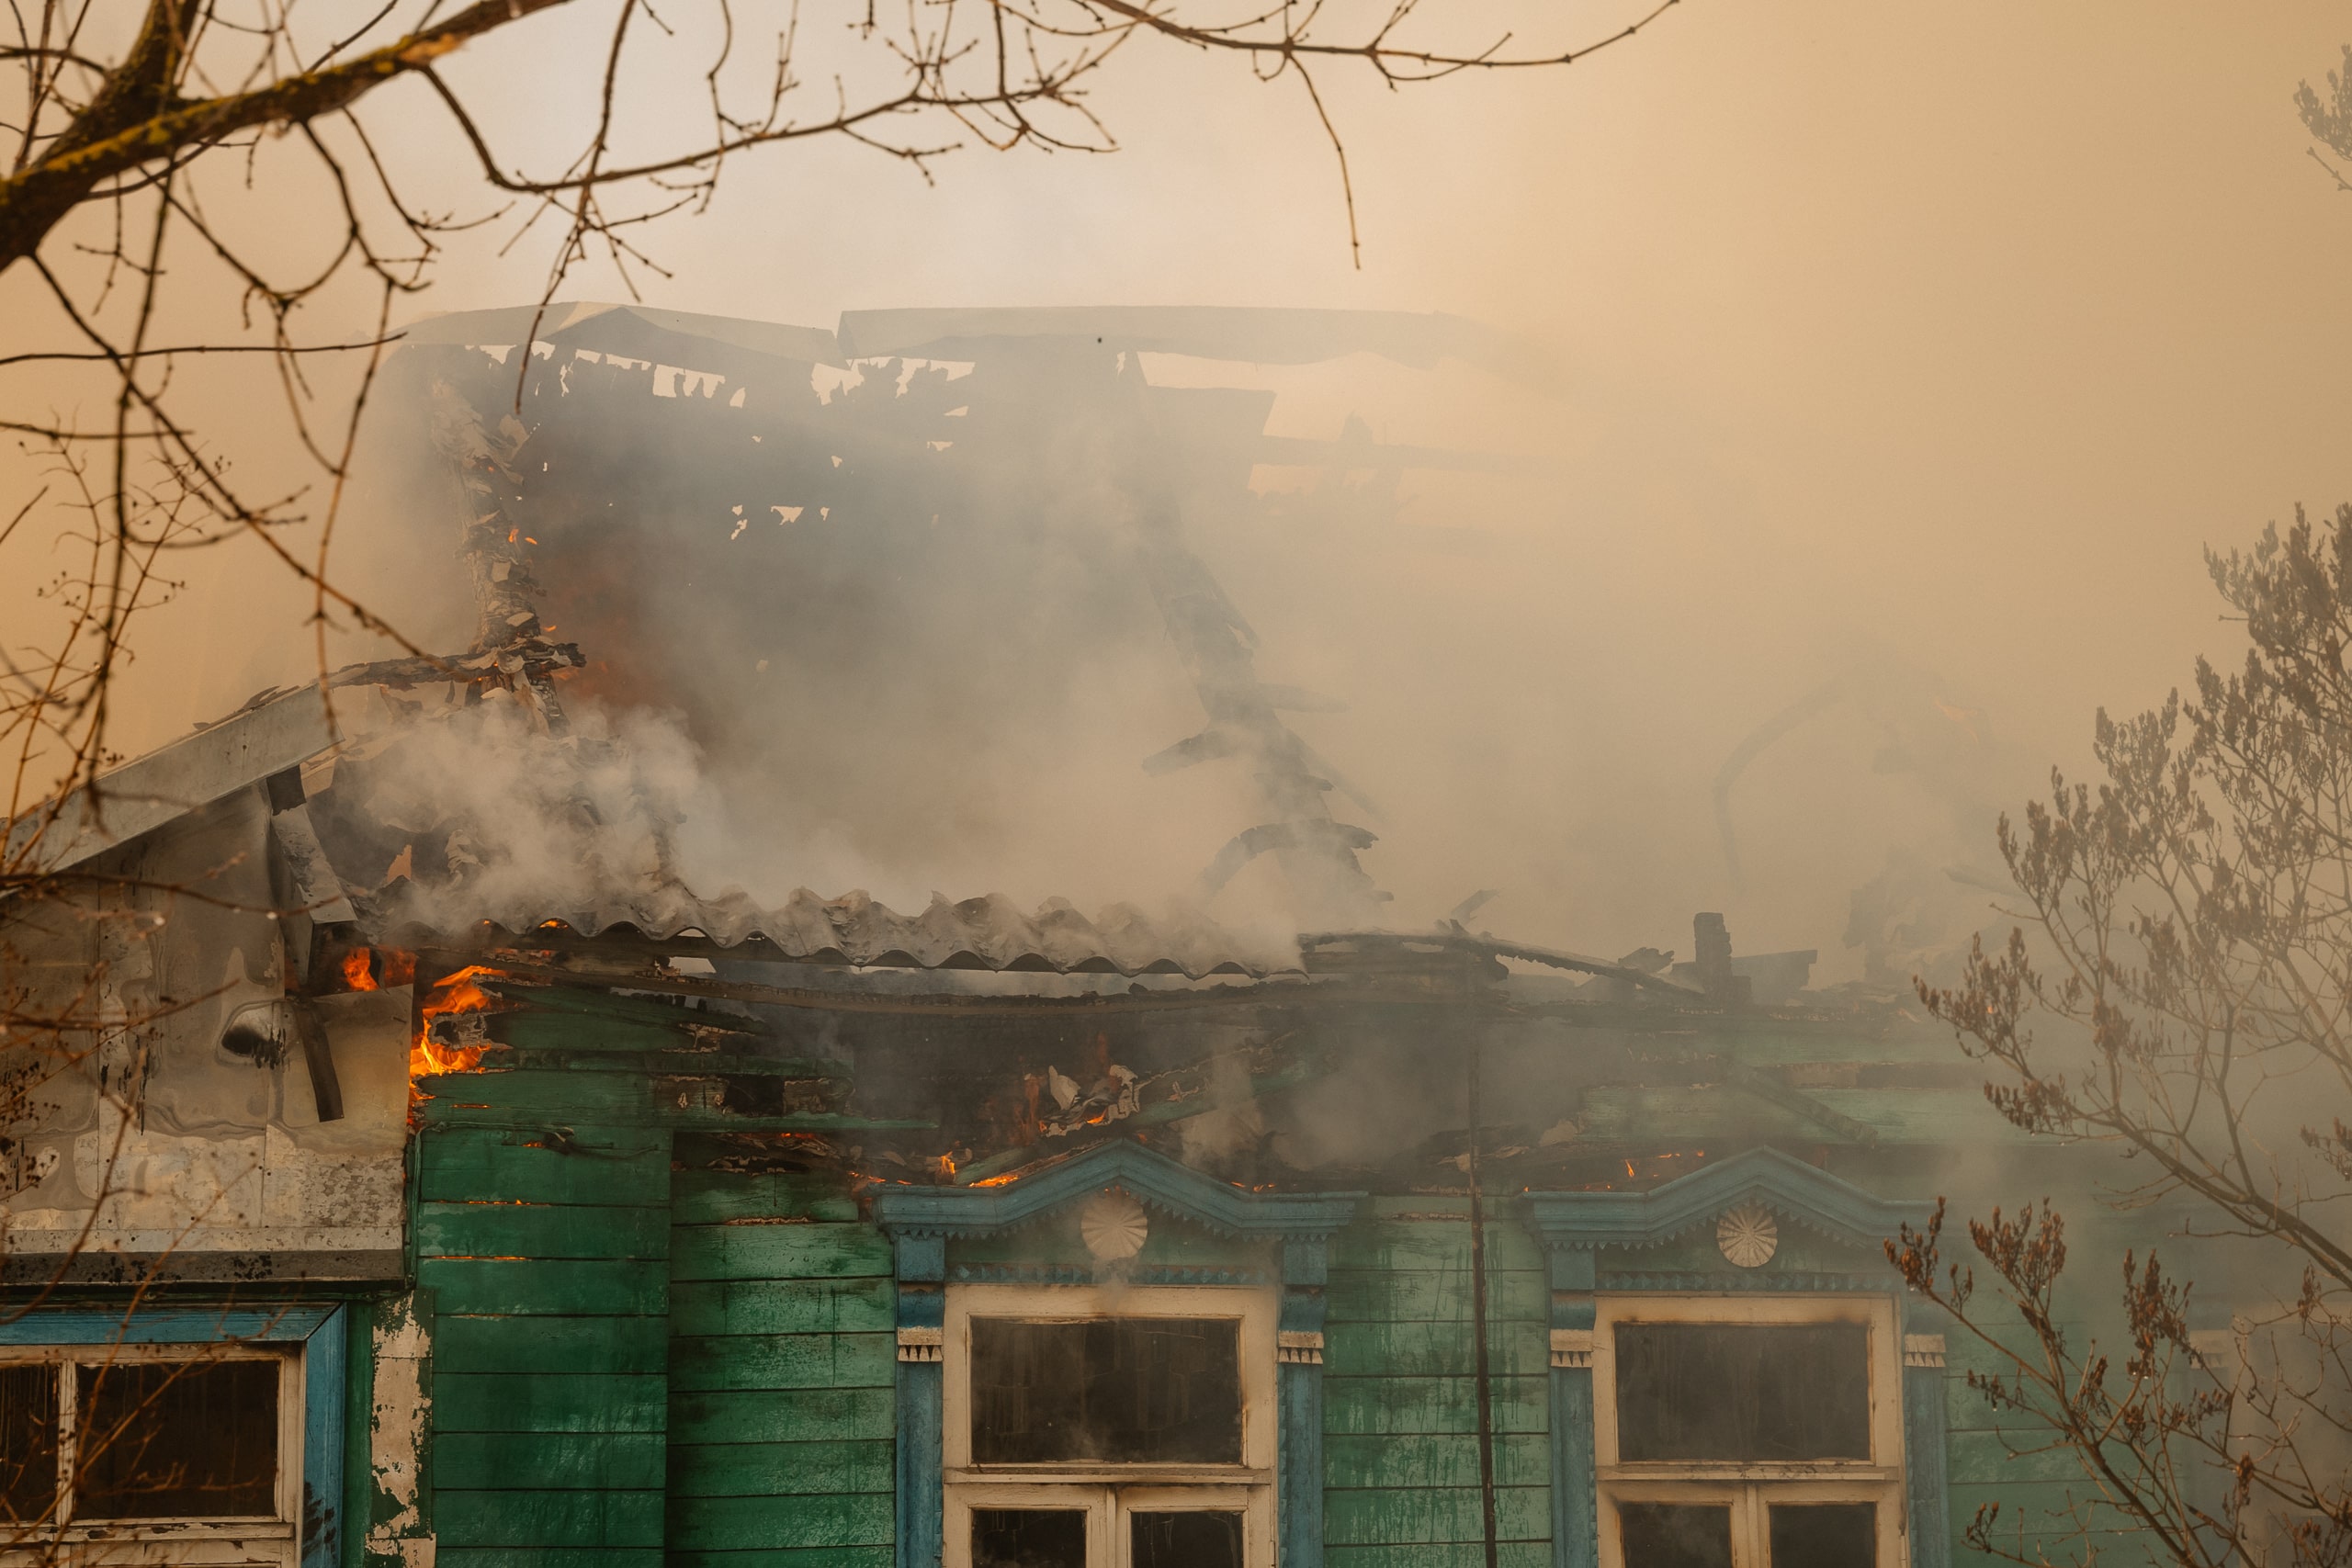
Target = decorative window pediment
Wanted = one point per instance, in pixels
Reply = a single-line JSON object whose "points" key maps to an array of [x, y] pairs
{"points": [[1744, 1200], [992, 1465], [1113, 1189], [1730, 1391]]}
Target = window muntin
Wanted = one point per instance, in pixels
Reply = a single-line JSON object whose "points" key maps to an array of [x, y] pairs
{"points": [[1056, 1537], [1052, 1524], [171, 1446], [1709, 1454], [1846, 1523]]}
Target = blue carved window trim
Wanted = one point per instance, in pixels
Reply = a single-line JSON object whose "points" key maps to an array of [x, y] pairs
{"points": [[321, 1330], [1576, 1227], [921, 1221]]}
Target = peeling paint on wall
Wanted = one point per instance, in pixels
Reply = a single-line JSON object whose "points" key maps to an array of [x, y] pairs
{"points": [[400, 1535], [317, 1199]]}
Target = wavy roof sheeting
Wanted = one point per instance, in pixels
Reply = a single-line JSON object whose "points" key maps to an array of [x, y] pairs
{"points": [[990, 933]]}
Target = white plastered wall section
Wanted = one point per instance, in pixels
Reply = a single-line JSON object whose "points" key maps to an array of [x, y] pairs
{"points": [[157, 1149]]}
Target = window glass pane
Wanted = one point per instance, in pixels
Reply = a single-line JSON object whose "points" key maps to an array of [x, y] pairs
{"points": [[1112, 1390], [1675, 1535], [1186, 1540], [177, 1440], [1721, 1390], [1824, 1535], [27, 1441], [1028, 1537]]}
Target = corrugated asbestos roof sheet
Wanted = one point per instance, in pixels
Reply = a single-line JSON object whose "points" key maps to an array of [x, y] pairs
{"points": [[282, 728], [990, 933]]}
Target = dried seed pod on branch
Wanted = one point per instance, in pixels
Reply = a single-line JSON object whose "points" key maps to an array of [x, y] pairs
{"points": [[2180, 990]]}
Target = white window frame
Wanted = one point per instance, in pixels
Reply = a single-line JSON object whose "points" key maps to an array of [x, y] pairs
{"points": [[274, 1538], [1749, 1490], [1109, 1493]]}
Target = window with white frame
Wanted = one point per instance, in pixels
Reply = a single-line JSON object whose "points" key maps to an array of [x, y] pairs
{"points": [[150, 1454], [1749, 1432], [1092, 1426]]}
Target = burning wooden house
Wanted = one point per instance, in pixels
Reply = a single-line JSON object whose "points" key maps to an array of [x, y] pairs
{"points": [[374, 1211]]}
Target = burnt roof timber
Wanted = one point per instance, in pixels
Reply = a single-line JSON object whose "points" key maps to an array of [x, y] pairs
{"points": [[1321, 948]]}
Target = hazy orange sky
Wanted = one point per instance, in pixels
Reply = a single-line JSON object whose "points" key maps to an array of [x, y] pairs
{"points": [[1937, 334]]}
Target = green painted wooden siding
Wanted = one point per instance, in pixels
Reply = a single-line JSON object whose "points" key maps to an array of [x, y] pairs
{"points": [[548, 1257], [1996, 1457], [1399, 1396], [783, 1365], [638, 1360]]}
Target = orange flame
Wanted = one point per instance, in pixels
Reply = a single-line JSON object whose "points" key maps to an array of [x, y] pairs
{"points": [[452, 997], [374, 968]]}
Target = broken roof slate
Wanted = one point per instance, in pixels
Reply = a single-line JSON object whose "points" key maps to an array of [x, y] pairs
{"points": [[990, 932]]}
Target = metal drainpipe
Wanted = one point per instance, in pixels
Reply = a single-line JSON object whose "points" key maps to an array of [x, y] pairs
{"points": [[1478, 1302]]}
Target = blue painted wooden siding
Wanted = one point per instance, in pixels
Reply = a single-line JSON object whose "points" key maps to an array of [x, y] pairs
{"points": [[325, 1383], [922, 1494], [1926, 1463], [1298, 1485], [1576, 1541]]}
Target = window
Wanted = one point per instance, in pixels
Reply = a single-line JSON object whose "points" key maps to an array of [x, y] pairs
{"points": [[1108, 1528], [1734, 1433], [178, 1453], [1123, 1390], [1749, 1392], [1096, 1428]]}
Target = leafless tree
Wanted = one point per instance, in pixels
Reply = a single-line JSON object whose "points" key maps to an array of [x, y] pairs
{"points": [[2181, 990], [130, 145]]}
